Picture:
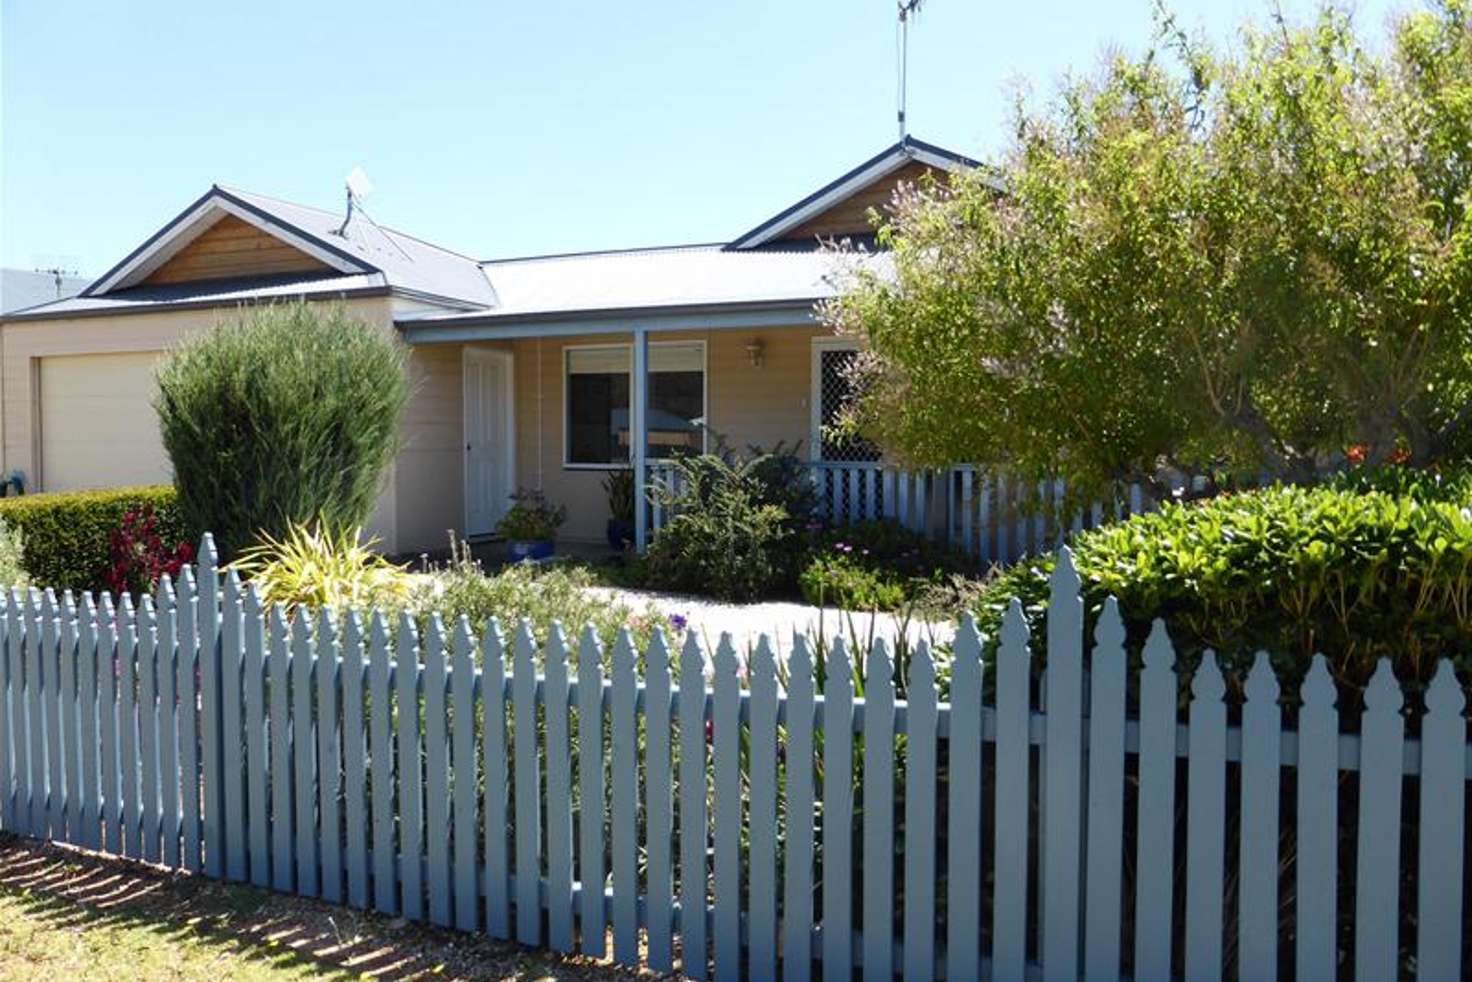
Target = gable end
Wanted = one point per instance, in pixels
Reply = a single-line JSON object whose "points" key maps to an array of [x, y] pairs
{"points": [[850, 217], [233, 248]]}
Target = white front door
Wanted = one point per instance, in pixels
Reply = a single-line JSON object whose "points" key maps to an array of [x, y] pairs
{"points": [[490, 464]]}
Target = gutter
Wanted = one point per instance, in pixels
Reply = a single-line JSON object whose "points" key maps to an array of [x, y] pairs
{"points": [[612, 320]]}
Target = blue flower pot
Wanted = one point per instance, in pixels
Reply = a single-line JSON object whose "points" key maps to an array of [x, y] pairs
{"points": [[534, 550]]}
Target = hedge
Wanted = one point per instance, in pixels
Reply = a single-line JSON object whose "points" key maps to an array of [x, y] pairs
{"points": [[1374, 565], [67, 535]]}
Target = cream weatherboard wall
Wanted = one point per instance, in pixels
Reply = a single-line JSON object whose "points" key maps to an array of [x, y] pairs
{"points": [[45, 365]]}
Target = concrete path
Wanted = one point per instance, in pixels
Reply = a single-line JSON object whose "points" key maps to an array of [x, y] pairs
{"points": [[747, 622]]}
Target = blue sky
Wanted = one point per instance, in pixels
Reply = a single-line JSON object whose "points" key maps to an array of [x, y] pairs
{"points": [[503, 128]]}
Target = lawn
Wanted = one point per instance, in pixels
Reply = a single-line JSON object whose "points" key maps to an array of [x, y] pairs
{"points": [[69, 915]]}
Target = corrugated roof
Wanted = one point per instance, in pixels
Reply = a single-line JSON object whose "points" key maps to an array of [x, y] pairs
{"points": [[406, 262], [677, 276], [208, 293]]}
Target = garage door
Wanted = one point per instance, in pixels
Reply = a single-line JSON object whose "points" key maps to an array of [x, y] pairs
{"points": [[98, 427]]}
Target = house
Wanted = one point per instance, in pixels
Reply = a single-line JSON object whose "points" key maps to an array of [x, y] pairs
{"points": [[539, 371], [22, 288]]}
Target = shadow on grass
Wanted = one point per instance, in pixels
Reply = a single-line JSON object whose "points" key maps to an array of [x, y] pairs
{"points": [[68, 891]]}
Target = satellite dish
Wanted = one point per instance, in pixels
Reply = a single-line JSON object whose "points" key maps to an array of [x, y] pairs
{"points": [[358, 183]]}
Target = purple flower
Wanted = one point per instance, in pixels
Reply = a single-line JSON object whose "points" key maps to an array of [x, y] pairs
{"points": [[678, 621]]}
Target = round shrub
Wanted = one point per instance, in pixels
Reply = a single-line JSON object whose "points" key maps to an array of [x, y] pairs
{"points": [[286, 415], [1347, 570]]}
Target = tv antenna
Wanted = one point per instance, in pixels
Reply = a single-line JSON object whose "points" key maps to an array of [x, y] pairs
{"points": [[59, 267], [358, 188], [907, 10]]}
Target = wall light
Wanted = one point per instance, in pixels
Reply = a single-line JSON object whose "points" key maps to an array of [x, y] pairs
{"points": [[756, 352]]}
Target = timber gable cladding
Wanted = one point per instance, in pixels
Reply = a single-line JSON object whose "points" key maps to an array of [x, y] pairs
{"points": [[232, 248], [850, 217]]}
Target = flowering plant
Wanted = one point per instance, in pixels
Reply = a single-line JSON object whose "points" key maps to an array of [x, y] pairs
{"points": [[139, 554]]}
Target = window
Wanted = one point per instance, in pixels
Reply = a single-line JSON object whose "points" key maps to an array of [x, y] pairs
{"points": [[832, 389], [599, 388]]}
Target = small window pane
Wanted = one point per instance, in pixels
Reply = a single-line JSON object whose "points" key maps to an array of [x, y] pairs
{"points": [[597, 405], [676, 413]]}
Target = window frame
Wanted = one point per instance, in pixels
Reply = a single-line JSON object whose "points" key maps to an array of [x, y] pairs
{"points": [[822, 343], [567, 463]]}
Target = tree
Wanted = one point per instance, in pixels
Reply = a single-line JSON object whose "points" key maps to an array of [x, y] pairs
{"points": [[1199, 261], [287, 415]]}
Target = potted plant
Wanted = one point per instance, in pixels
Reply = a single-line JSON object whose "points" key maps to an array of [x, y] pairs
{"points": [[530, 526], [619, 485]]}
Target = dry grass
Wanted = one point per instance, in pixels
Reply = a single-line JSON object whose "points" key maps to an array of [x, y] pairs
{"points": [[74, 915]]}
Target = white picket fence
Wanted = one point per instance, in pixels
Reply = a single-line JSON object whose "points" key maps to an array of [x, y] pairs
{"points": [[994, 520], [742, 815], [846, 493]]}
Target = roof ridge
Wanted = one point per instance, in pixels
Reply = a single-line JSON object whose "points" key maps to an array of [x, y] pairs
{"points": [[582, 253]]}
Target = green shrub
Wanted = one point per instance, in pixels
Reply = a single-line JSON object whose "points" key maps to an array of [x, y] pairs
{"points": [[12, 548], [1354, 574], [323, 568], [67, 535], [733, 534], [837, 579], [541, 594], [877, 565], [288, 414]]}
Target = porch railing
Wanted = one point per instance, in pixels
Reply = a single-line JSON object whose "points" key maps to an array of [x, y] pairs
{"points": [[994, 520]]}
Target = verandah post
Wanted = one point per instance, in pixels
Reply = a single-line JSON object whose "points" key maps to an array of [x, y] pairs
{"points": [[639, 436]]}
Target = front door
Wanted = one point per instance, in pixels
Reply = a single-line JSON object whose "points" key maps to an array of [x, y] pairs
{"points": [[489, 461]]}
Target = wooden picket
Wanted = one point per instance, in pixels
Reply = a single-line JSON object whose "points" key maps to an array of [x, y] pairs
{"points": [[436, 775], [746, 814]]}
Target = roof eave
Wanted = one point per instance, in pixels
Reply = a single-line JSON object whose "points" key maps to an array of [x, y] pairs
{"points": [[794, 312]]}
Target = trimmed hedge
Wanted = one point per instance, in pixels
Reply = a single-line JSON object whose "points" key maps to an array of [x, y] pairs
{"points": [[67, 535]]}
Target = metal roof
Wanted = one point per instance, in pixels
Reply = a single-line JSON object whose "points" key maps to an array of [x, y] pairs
{"points": [[406, 262], [24, 288], [673, 277]]}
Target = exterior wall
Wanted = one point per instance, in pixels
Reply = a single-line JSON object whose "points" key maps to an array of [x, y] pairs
{"points": [[24, 343], [745, 405], [232, 247]]}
